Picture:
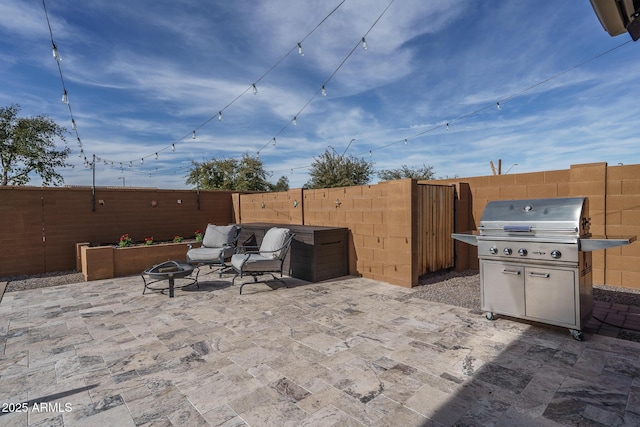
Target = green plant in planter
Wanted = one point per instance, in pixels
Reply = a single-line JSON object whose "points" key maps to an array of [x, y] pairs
{"points": [[125, 240], [148, 241], [177, 239], [199, 236]]}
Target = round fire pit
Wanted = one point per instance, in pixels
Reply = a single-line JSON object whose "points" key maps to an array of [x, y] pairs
{"points": [[169, 271]]}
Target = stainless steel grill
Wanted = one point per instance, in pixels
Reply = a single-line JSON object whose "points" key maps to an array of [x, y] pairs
{"points": [[535, 260]]}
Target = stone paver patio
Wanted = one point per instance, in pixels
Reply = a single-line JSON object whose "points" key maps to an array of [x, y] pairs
{"points": [[350, 352]]}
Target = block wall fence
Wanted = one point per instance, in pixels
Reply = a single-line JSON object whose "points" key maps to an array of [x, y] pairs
{"points": [[614, 208], [39, 227], [381, 218]]}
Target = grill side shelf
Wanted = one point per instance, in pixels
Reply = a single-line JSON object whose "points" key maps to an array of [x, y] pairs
{"points": [[595, 243]]}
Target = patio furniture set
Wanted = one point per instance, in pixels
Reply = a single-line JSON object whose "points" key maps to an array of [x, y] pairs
{"points": [[220, 250]]}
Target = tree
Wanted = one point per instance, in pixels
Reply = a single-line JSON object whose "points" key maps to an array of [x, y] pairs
{"points": [[281, 185], [331, 170], [424, 172], [246, 174], [27, 144]]}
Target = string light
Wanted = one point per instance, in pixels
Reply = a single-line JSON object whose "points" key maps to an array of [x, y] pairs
{"points": [[193, 136], [173, 147], [295, 120], [73, 125], [56, 54], [130, 164], [255, 89], [156, 156], [274, 141], [65, 98], [142, 161], [364, 46]]}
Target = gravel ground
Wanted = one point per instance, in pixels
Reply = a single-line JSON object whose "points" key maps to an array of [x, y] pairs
{"points": [[461, 289], [20, 283]]}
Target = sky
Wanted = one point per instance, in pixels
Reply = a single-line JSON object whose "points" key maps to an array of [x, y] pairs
{"points": [[454, 85]]}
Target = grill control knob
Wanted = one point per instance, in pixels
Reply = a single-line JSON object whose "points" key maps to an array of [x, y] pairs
{"points": [[522, 252], [555, 254], [507, 251], [493, 250]]}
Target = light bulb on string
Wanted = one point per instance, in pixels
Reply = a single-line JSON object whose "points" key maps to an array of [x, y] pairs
{"points": [[65, 98], [81, 153], [193, 135], [300, 49], [255, 89], [498, 106], [364, 44], [56, 54], [274, 141], [447, 126], [406, 142], [220, 116], [295, 120], [73, 125], [324, 91], [156, 156], [79, 142], [173, 147], [142, 161]]}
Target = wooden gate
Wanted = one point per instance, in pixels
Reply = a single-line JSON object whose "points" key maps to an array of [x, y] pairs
{"points": [[435, 225]]}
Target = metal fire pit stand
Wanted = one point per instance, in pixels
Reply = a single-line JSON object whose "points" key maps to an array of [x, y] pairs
{"points": [[169, 271]]}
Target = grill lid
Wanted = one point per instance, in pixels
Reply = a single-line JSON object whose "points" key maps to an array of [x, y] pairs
{"points": [[536, 217]]}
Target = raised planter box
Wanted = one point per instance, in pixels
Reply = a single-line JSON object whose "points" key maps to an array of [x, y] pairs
{"points": [[106, 262]]}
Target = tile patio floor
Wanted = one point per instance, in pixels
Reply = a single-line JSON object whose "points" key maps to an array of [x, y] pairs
{"points": [[350, 352]]}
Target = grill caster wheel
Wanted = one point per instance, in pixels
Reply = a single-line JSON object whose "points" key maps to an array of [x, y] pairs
{"points": [[490, 316], [577, 335]]}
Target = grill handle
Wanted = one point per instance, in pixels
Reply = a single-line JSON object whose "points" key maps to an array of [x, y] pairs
{"points": [[543, 275], [517, 228], [514, 272]]}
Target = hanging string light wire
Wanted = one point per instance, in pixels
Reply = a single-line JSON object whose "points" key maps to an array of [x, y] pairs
{"points": [[251, 87], [500, 103], [58, 58], [323, 87]]}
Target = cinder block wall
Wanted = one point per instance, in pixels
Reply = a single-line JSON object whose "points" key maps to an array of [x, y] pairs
{"points": [[381, 220], [40, 226], [614, 208]]}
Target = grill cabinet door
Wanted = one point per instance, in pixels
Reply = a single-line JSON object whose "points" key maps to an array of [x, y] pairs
{"points": [[502, 288], [551, 295]]}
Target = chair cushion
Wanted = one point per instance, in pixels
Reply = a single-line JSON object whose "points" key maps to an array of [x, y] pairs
{"points": [[208, 255], [256, 262], [272, 241], [217, 236]]}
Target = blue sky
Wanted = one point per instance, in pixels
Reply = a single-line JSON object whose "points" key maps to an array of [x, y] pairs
{"points": [[142, 75]]}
